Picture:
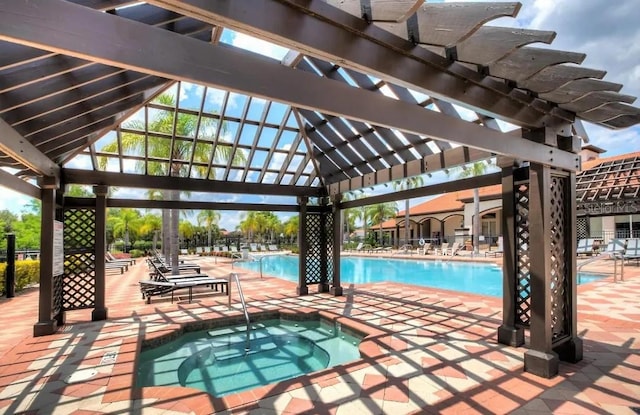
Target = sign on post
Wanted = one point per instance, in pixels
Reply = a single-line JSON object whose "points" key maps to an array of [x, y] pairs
{"points": [[58, 248]]}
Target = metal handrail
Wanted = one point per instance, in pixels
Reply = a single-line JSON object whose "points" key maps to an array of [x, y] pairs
{"points": [[606, 254], [244, 306]]}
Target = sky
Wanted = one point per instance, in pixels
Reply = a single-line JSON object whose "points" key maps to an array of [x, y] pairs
{"points": [[607, 31]]}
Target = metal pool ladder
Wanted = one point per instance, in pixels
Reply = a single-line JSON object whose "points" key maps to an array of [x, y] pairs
{"points": [[244, 306]]}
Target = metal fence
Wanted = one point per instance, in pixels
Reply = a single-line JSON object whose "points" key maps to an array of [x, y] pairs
{"points": [[21, 254]]}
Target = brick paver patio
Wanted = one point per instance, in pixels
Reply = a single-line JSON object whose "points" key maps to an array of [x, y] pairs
{"points": [[429, 351]]}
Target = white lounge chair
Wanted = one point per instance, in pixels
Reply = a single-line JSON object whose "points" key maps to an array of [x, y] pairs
{"points": [[498, 251]]}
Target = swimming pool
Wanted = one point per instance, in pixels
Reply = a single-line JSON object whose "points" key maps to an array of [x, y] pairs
{"points": [[216, 361], [471, 277]]}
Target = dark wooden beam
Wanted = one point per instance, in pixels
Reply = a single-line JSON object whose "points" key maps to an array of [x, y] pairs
{"points": [[436, 189], [180, 204], [21, 150], [85, 33], [15, 183], [87, 177], [320, 30]]}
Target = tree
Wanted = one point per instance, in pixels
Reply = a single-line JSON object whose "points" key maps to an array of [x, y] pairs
{"points": [[381, 212], [209, 218], [290, 228], [166, 132], [476, 169], [126, 225], [405, 184]]}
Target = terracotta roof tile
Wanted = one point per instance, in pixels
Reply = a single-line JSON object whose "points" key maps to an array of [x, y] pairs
{"points": [[586, 165]]}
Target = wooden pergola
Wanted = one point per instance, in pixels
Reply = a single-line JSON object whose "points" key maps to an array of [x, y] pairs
{"points": [[367, 94]]}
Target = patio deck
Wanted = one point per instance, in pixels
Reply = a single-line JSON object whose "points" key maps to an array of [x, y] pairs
{"points": [[436, 352]]}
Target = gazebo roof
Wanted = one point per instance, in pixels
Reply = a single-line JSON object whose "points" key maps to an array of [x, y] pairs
{"points": [[364, 95]]}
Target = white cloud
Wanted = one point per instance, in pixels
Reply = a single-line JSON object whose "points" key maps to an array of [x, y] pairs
{"points": [[258, 46]]}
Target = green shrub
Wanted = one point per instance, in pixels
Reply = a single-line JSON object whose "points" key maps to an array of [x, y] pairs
{"points": [[136, 253], [27, 273]]}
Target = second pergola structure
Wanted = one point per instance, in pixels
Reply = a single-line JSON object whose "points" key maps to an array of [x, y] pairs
{"points": [[367, 95]]}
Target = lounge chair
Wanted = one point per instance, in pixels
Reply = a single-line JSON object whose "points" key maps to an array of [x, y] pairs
{"points": [[165, 283], [614, 249], [253, 247], [498, 251], [263, 248], [632, 251], [424, 249], [158, 263], [444, 248], [273, 248], [587, 247], [359, 247], [111, 258], [453, 251]]}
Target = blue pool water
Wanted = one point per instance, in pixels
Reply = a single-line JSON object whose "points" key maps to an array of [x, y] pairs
{"points": [[477, 278], [216, 362]]}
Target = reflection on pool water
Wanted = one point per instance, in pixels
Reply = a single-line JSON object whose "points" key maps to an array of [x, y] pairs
{"points": [[471, 277], [216, 362]]}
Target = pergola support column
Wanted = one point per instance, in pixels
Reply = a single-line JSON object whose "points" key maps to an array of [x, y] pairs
{"points": [[100, 310], [553, 271], [323, 285], [509, 333], [48, 317], [302, 289], [336, 288]]}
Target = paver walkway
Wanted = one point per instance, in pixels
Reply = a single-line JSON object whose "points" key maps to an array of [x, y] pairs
{"points": [[431, 351]]}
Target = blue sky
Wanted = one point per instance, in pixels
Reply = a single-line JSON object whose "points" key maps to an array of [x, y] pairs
{"points": [[607, 31]]}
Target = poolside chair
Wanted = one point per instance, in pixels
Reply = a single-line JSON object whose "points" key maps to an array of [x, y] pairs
{"points": [[424, 249], [167, 283], [614, 249], [444, 248], [453, 251], [498, 251], [587, 247], [273, 248], [158, 263], [110, 257], [632, 251], [359, 247], [253, 247], [405, 249]]}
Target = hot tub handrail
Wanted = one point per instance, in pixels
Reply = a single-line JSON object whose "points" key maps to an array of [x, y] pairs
{"points": [[244, 306]]}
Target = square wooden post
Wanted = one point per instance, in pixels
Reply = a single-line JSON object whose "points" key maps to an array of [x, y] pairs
{"points": [[100, 310], [47, 321], [509, 333], [336, 288], [540, 359], [302, 289]]}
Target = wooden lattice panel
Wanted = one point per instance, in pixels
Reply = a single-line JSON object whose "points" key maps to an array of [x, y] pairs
{"points": [[329, 238], [559, 289], [78, 290], [523, 290], [582, 231], [313, 259], [58, 291]]}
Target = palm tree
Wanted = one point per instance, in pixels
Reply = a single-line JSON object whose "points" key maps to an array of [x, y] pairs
{"points": [[208, 218], [126, 225], [405, 184], [380, 213], [291, 226], [164, 132], [476, 169]]}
